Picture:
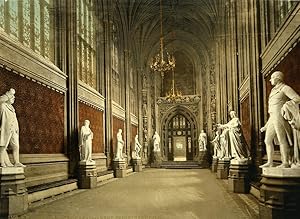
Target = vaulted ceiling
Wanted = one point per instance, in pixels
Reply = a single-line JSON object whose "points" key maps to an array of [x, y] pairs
{"points": [[188, 27]]}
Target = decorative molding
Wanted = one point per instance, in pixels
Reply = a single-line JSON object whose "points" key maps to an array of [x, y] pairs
{"points": [[188, 99], [43, 158], [245, 89], [118, 111], [90, 96], [27, 63], [134, 119], [283, 42], [191, 102]]}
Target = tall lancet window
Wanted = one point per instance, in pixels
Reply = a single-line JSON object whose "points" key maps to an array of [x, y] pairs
{"points": [[31, 23], [86, 45], [116, 79]]}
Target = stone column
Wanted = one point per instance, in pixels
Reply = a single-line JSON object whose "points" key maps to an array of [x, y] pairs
{"points": [[279, 193], [223, 168], [87, 175], [119, 167], [137, 165], [14, 197], [239, 179], [214, 164]]}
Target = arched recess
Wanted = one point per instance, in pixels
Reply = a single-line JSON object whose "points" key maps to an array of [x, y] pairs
{"points": [[179, 121]]}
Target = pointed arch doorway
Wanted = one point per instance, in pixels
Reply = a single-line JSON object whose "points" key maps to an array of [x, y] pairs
{"points": [[179, 130]]}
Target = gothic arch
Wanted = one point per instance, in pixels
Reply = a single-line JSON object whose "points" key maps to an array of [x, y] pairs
{"points": [[190, 130]]}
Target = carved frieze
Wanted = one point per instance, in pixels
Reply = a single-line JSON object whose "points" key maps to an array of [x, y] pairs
{"points": [[191, 102]]}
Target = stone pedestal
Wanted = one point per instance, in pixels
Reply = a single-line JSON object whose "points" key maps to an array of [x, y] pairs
{"points": [[157, 159], [87, 175], [13, 192], [119, 167], [239, 179], [137, 165], [203, 159], [223, 168], [214, 164], [279, 193]]}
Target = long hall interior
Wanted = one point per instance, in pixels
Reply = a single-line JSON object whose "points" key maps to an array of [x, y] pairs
{"points": [[149, 109]]}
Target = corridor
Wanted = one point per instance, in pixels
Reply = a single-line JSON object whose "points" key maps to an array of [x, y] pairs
{"points": [[153, 193]]}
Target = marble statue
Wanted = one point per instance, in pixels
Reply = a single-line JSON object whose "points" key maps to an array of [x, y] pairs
{"points": [[85, 142], [277, 127], [120, 146], [238, 147], [225, 146], [156, 142], [9, 130], [217, 145], [137, 146], [202, 140], [290, 112]]}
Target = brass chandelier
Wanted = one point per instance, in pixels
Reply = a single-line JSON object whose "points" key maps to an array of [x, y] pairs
{"points": [[162, 61], [173, 94]]}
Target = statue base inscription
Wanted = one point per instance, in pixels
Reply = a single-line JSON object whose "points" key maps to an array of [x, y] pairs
{"points": [[238, 179], [87, 175], [137, 165], [13, 192], [280, 193], [119, 167]]}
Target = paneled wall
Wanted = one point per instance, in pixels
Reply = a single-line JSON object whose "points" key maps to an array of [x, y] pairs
{"points": [[290, 66], [40, 112], [134, 132], [96, 124], [117, 124], [245, 119]]}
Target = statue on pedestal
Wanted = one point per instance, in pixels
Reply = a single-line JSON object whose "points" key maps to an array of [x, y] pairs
{"points": [[137, 146], [156, 142], [202, 140], [120, 145], [238, 147], [9, 130], [282, 101], [85, 142]]}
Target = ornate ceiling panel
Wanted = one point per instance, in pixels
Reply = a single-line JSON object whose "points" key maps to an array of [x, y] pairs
{"points": [[188, 25]]}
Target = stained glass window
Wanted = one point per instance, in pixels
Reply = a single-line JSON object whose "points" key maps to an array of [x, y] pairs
{"points": [[13, 18], [2, 14], [37, 26], [30, 22], [86, 52], [282, 9], [26, 22]]}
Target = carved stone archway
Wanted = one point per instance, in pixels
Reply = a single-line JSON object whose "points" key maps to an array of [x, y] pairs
{"points": [[179, 121]]}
